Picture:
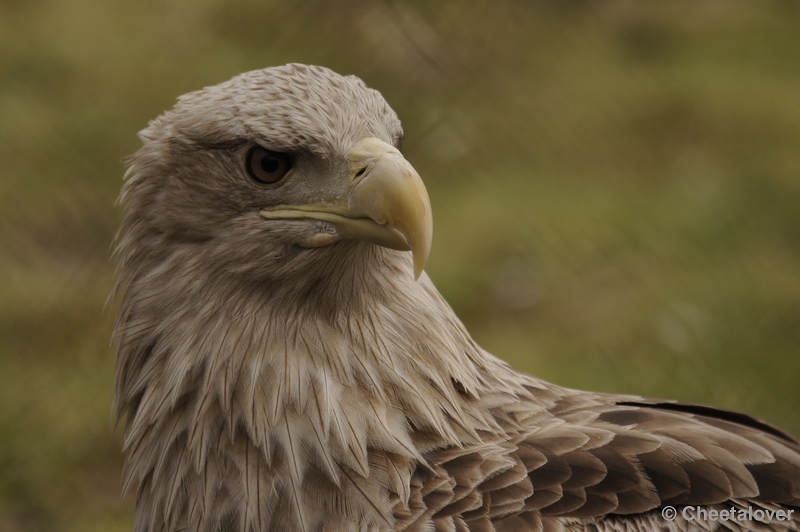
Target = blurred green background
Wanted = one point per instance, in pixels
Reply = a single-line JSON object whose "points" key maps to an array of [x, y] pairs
{"points": [[616, 193]]}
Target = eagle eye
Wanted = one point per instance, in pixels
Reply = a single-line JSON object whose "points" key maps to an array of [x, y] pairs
{"points": [[266, 166]]}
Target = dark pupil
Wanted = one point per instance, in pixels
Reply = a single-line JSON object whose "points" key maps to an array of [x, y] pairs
{"points": [[269, 163]]}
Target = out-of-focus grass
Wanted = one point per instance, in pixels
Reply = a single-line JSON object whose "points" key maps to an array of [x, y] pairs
{"points": [[616, 194]]}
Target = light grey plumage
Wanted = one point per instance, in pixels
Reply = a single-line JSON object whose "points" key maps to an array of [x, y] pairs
{"points": [[280, 370]]}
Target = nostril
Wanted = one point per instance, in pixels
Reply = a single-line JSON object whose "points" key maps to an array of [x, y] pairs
{"points": [[361, 172]]}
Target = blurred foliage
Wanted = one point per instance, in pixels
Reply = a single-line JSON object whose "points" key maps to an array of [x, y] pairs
{"points": [[616, 192]]}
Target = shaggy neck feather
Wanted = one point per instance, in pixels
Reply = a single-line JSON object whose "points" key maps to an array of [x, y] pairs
{"points": [[208, 367]]}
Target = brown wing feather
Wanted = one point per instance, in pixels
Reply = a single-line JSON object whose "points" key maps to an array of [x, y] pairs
{"points": [[609, 463]]}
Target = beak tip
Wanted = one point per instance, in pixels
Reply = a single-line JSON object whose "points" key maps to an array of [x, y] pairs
{"points": [[420, 258], [421, 244]]}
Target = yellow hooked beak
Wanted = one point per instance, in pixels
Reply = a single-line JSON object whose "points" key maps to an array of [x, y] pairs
{"points": [[385, 203]]}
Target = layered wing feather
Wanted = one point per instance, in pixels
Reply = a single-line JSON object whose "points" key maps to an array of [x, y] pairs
{"points": [[604, 462]]}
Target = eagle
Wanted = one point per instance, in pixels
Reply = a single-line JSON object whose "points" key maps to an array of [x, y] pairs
{"points": [[285, 364]]}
